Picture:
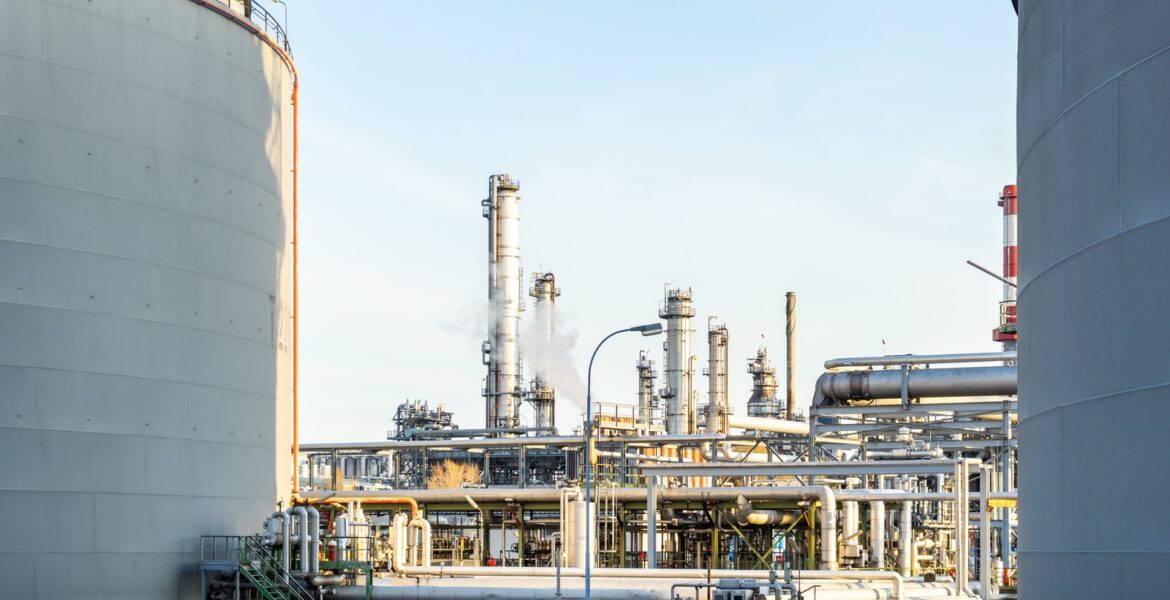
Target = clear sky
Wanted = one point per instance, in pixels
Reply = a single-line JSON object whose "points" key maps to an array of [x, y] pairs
{"points": [[849, 151]]}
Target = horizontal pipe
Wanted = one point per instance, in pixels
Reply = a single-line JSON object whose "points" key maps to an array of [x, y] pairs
{"points": [[841, 387], [784, 426], [427, 592], [895, 580], [919, 359], [467, 433], [515, 442]]}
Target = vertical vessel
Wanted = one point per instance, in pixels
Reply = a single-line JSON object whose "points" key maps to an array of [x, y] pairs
{"points": [[542, 393], [146, 231], [1093, 150], [502, 349], [678, 393], [717, 409]]}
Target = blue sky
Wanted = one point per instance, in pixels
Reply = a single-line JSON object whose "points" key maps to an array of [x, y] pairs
{"points": [[849, 151]]}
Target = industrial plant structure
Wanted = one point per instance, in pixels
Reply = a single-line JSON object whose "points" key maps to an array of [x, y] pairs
{"points": [[148, 262]]}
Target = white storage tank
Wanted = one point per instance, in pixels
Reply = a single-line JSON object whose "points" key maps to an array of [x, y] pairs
{"points": [[146, 282], [1094, 304]]}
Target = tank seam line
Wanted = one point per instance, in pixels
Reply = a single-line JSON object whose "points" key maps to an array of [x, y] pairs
{"points": [[142, 377], [103, 136], [107, 493], [191, 102], [129, 318], [1100, 397], [1085, 248], [1116, 77], [144, 436], [145, 262], [274, 246], [132, 25]]}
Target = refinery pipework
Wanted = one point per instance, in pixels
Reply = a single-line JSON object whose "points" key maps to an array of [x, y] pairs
{"points": [[502, 391]]}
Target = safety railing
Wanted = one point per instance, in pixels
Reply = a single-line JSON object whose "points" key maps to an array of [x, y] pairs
{"points": [[262, 19]]}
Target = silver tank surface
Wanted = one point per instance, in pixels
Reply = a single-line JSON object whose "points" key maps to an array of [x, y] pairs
{"points": [[1093, 145], [145, 292]]}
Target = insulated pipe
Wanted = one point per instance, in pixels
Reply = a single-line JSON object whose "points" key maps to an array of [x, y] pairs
{"points": [[782, 426], [286, 544], [844, 386], [328, 497], [896, 581], [906, 538], [765, 424], [877, 534], [427, 592], [898, 360], [398, 552], [303, 534], [315, 532], [717, 494], [747, 515], [424, 527]]}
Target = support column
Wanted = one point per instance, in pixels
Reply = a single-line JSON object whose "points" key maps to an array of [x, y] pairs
{"points": [[984, 532], [652, 522]]}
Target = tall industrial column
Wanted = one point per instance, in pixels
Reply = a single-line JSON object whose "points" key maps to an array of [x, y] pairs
{"points": [[647, 400], [717, 408], [677, 309], [1093, 145], [502, 349], [541, 394]]}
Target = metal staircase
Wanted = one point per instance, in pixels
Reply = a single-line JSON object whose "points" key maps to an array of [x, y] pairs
{"points": [[249, 560]]}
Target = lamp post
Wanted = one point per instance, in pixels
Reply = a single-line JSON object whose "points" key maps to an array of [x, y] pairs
{"points": [[647, 330]]}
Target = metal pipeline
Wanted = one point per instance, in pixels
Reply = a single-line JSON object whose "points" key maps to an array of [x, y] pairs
{"points": [[286, 543], [877, 533], [919, 359], [424, 527], [315, 532], [906, 538], [354, 592], [363, 498], [844, 386], [895, 580], [303, 538], [747, 515], [782, 426]]}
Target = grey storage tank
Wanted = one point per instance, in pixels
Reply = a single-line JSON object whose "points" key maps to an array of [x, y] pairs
{"points": [[146, 281], [1094, 305]]}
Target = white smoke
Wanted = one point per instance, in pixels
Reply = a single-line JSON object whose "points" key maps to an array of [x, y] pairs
{"points": [[551, 360]]}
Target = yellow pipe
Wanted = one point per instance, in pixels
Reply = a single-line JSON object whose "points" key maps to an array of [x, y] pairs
{"points": [[375, 500]]}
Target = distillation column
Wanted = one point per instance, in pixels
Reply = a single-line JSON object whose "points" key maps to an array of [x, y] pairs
{"points": [[647, 400], [542, 395], [501, 350], [677, 309], [763, 402], [717, 409]]}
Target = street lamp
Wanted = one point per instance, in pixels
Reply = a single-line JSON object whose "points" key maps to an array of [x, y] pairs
{"points": [[646, 330]]}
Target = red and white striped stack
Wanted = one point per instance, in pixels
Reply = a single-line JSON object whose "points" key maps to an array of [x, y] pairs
{"points": [[1007, 325]]}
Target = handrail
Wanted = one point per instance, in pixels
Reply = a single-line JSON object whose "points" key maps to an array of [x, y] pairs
{"points": [[262, 19], [296, 589]]}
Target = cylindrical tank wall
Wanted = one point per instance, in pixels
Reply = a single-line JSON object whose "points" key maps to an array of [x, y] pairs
{"points": [[145, 286], [1093, 148]]}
